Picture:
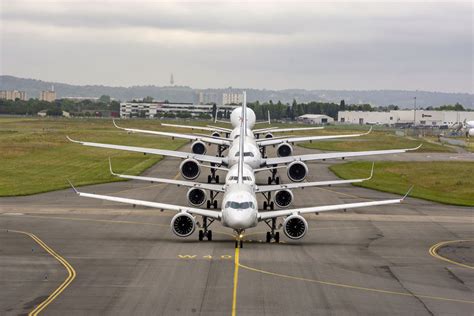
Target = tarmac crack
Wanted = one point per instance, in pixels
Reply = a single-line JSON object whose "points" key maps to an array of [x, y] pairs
{"points": [[390, 272], [454, 276]]}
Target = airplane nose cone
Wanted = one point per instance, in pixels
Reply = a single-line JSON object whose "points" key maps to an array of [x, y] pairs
{"points": [[239, 220]]}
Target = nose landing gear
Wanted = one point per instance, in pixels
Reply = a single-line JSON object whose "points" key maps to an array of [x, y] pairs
{"points": [[239, 243]]}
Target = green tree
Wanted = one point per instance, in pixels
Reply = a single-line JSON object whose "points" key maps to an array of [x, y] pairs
{"points": [[104, 98]]}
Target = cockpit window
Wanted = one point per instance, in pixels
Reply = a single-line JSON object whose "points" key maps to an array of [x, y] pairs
{"points": [[237, 205], [246, 154]]}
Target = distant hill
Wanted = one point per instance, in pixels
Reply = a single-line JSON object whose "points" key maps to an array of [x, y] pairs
{"points": [[186, 94]]}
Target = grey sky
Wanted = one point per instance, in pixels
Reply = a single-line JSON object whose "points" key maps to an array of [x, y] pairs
{"points": [[275, 45]]}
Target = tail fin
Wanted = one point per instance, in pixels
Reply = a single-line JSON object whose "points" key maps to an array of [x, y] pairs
{"points": [[243, 132]]}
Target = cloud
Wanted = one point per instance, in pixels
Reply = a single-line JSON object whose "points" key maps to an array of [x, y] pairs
{"points": [[356, 44]]}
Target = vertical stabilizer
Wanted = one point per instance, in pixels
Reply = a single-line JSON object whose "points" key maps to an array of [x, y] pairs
{"points": [[243, 132]]}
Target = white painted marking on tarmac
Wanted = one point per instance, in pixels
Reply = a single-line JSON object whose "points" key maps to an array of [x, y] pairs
{"points": [[13, 214]]}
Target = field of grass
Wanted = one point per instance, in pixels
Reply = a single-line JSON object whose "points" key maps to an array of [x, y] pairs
{"points": [[376, 140], [35, 155], [445, 182]]}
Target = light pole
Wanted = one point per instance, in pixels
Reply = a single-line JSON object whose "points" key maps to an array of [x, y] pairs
{"points": [[414, 112]]}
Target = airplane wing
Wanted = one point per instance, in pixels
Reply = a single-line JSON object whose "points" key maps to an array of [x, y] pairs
{"points": [[162, 152], [206, 139], [280, 130], [302, 185], [327, 208], [161, 206], [275, 141], [190, 184], [201, 128], [322, 156]]}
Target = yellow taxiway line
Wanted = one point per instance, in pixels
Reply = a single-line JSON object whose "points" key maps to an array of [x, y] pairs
{"points": [[236, 281], [63, 285], [434, 252]]}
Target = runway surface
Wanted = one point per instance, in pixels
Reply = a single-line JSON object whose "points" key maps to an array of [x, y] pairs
{"points": [[122, 260]]}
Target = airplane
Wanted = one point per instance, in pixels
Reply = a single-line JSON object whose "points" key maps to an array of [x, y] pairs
{"points": [[469, 126], [239, 210], [197, 194]]}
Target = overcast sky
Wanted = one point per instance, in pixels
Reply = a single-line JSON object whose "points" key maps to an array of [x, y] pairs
{"points": [[353, 45]]}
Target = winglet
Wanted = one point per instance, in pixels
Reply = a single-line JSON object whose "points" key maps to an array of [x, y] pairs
{"points": [[372, 171], [416, 148], [72, 186], [370, 130], [110, 167], [72, 140], [409, 191], [115, 124]]}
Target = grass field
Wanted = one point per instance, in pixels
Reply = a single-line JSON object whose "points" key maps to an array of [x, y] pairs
{"points": [[445, 182], [36, 157], [376, 140]]}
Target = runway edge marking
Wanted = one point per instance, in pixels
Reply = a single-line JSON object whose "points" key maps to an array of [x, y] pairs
{"points": [[434, 252], [64, 284]]}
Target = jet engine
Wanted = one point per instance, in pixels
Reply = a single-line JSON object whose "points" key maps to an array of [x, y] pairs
{"points": [[196, 197], [470, 132], [295, 227], [297, 171], [190, 169], [283, 198], [215, 134], [198, 148], [284, 150], [268, 135], [183, 224]]}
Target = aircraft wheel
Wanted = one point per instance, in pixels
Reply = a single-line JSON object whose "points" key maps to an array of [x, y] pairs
{"points": [[208, 204], [217, 179], [269, 237], [265, 205], [277, 237], [241, 243], [201, 235], [269, 180], [236, 244], [272, 205], [209, 235], [214, 204], [277, 180], [209, 179]]}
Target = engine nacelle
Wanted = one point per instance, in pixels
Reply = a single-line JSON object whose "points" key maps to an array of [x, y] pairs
{"points": [[283, 198], [295, 227], [198, 148], [196, 197], [284, 150], [215, 134], [471, 132], [297, 171], [268, 135], [183, 224], [190, 169]]}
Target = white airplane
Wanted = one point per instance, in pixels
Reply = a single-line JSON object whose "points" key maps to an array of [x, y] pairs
{"points": [[197, 194], [296, 168], [469, 126], [239, 209]]}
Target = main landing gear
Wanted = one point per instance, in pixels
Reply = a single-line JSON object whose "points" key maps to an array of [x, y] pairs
{"points": [[268, 204], [205, 232], [272, 234], [213, 177], [212, 202], [274, 178]]}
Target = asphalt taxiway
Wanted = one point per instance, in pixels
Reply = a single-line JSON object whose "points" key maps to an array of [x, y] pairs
{"points": [[97, 257]]}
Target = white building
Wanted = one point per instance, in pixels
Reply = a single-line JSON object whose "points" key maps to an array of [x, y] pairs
{"points": [[232, 98], [157, 109], [405, 117], [320, 119], [49, 96], [204, 97]]}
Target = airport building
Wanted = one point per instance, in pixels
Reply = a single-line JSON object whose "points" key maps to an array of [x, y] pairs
{"points": [[204, 97], [158, 109], [12, 95], [405, 117], [319, 119]]}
